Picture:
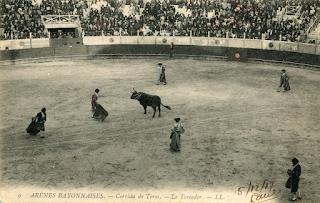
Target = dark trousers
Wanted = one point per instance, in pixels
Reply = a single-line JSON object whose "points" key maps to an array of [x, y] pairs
{"points": [[295, 185]]}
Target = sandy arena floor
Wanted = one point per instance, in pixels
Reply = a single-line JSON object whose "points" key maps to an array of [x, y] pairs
{"points": [[240, 132]]}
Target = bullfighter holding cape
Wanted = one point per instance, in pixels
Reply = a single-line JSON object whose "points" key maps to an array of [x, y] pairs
{"points": [[162, 75], [37, 123], [176, 130], [97, 110]]}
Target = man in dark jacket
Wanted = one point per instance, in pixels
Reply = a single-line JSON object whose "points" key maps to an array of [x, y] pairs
{"points": [[37, 123], [42, 118], [295, 175]]}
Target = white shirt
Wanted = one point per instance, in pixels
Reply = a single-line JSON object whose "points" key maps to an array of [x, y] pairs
{"points": [[177, 127]]}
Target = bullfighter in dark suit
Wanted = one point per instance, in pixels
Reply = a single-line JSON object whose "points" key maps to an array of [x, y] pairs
{"points": [[295, 176], [37, 123]]}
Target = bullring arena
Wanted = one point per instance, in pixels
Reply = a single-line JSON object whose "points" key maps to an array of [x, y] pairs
{"points": [[239, 130], [223, 62]]}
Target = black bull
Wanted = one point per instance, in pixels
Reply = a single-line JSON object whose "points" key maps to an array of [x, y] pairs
{"points": [[148, 100]]}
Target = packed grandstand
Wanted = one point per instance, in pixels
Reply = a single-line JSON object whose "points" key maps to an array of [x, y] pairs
{"points": [[286, 20]]}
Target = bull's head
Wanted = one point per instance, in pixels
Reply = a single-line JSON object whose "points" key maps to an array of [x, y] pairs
{"points": [[135, 94]]}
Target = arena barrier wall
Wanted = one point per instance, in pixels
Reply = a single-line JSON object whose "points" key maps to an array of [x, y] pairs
{"points": [[128, 40], [271, 45], [235, 43], [317, 50], [24, 43], [182, 40], [64, 41], [205, 41], [118, 46], [103, 40], [162, 40], [166, 40], [285, 46], [307, 48], [199, 41], [147, 40]]}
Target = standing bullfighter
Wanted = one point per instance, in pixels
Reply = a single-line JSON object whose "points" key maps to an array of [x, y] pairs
{"points": [[97, 110], [94, 99], [284, 81], [171, 48], [176, 131], [295, 175], [162, 75]]}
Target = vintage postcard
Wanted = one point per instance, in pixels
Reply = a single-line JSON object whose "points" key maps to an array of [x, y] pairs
{"points": [[159, 101]]}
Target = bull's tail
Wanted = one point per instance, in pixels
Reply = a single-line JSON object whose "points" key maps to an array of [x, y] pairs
{"points": [[168, 107]]}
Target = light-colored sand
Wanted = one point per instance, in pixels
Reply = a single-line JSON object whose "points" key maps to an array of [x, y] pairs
{"points": [[238, 130]]}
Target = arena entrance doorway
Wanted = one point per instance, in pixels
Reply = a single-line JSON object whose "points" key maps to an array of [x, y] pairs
{"points": [[63, 29]]}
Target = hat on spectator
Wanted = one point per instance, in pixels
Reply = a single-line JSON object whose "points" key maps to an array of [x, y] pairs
{"points": [[295, 161], [159, 64]]}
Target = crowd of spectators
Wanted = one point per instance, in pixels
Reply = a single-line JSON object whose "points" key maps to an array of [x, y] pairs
{"points": [[21, 19], [251, 19]]}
